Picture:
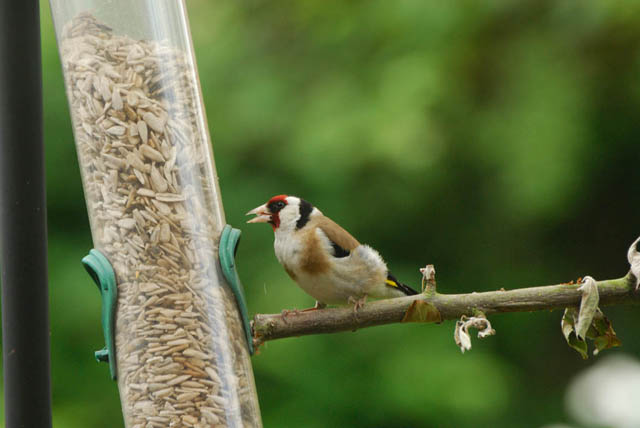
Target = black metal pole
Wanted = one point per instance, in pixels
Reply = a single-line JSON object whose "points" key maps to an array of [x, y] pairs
{"points": [[23, 228]]}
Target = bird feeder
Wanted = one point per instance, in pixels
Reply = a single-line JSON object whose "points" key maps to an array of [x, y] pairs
{"points": [[176, 340]]}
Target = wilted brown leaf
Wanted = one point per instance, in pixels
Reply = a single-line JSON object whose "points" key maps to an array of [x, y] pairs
{"points": [[421, 311], [602, 333]]}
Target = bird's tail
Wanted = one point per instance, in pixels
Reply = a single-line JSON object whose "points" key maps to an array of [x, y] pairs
{"points": [[393, 282]]}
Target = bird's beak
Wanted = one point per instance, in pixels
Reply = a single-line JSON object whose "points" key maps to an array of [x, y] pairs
{"points": [[262, 214]]}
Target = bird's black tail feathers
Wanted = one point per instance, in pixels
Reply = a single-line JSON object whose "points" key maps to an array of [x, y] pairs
{"points": [[393, 282]]}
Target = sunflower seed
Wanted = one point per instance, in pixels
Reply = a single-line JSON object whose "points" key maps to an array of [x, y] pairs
{"points": [[170, 197], [117, 130], [153, 121], [158, 183], [142, 131], [151, 153], [116, 101]]}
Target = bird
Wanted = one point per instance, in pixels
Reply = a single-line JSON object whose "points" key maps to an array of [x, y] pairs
{"points": [[325, 260]]}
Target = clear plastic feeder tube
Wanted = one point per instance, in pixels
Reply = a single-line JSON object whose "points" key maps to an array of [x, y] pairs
{"points": [[155, 211]]}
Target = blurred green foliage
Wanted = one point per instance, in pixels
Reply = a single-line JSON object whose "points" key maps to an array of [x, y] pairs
{"points": [[497, 140]]}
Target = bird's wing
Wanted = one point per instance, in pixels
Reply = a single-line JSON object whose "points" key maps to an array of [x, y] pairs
{"points": [[341, 240]]}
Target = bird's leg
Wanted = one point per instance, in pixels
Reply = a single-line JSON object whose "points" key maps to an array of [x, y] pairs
{"points": [[357, 303]]}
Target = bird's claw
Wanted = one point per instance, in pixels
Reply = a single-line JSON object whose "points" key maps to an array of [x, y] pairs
{"points": [[357, 303]]}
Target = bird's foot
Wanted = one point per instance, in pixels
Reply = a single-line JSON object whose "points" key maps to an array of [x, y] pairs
{"points": [[318, 305], [357, 303]]}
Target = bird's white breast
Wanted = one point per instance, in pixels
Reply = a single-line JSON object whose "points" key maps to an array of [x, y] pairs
{"points": [[362, 272], [288, 247]]}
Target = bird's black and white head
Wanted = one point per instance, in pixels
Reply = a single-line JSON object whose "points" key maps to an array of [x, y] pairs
{"points": [[284, 213]]}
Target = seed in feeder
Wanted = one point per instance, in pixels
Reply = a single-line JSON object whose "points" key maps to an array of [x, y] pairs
{"points": [[117, 130], [103, 86], [213, 375], [140, 176], [153, 121], [196, 354], [153, 387], [165, 232], [116, 101], [132, 99], [142, 131], [190, 420], [143, 191], [158, 183], [210, 417], [163, 393], [187, 396], [161, 207], [178, 380], [127, 223], [151, 153], [147, 287], [137, 163], [170, 197]]}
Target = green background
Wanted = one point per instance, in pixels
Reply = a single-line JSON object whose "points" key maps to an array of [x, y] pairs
{"points": [[498, 141]]}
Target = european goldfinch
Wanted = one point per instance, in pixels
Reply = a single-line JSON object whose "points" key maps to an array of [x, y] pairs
{"points": [[324, 259]]}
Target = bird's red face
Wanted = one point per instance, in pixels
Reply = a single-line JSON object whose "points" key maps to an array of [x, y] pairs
{"points": [[269, 212]]}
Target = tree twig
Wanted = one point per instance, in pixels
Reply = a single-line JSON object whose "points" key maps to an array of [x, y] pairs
{"points": [[449, 307]]}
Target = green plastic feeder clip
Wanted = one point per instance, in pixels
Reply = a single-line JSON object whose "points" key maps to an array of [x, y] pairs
{"points": [[229, 241], [98, 266]]}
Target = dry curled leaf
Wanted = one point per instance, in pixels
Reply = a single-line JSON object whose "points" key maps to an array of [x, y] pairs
{"points": [[588, 306], [421, 311], [633, 255], [568, 330], [461, 333], [602, 333], [461, 337], [428, 277]]}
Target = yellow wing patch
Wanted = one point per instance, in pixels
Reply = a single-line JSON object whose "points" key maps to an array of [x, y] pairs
{"points": [[391, 283]]}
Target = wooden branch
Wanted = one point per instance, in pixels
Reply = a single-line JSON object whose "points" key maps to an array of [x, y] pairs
{"points": [[448, 306]]}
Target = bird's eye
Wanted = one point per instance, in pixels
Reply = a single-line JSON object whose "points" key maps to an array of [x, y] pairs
{"points": [[276, 206]]}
